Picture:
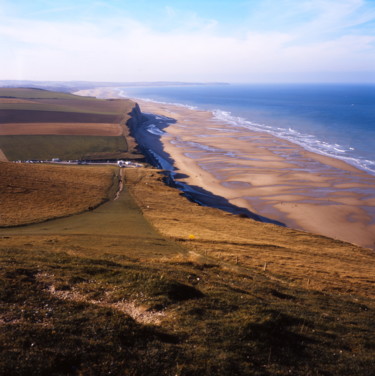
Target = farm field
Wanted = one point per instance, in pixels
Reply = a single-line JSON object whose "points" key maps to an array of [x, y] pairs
{"points": [[30, 120], [26, 93], [110, 107], [147, 285], [46, 147]]}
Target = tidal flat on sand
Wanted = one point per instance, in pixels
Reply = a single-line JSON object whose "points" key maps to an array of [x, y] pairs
{"points": [[269, 176]]}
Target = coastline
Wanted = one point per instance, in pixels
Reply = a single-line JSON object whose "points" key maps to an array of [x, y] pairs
{"points": [[263, 174]]}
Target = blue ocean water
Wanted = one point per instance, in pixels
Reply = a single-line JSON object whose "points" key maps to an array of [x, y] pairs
{"points": [[337, 120]]}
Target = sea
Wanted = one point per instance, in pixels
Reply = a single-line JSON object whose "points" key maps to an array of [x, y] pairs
{"points": [[335, 120]]}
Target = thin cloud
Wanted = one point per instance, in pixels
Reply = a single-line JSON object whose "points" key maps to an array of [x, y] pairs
{"points": [[337, 17], [120, 48], [58, 10]]}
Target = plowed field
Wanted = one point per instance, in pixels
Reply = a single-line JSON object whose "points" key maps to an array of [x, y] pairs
{"points": [[39, 124]]}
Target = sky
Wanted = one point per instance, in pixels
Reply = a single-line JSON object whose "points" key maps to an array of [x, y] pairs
{"points": [[239, 41]]}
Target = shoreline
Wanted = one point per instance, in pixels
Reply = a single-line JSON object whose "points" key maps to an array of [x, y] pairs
{"points": [[262, 174]]}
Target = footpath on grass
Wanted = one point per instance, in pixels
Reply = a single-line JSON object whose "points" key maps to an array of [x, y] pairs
{"points": [[117, 227], [150, 220]]}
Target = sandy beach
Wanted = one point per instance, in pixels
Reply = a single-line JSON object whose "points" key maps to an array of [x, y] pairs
{"points": [[268, 176]]}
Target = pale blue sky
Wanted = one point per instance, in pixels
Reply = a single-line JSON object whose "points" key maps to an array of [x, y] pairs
{"points": [[188, 40]]}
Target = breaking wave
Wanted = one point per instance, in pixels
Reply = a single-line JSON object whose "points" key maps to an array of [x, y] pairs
{"points": [[307, 141]]}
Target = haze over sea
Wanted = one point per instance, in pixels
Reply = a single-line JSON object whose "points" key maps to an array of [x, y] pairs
{"points": [[336, 120]]}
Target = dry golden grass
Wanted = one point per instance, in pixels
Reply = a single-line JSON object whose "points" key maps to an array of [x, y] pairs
{"points": [[33, 193], [294, 257], [109, 287]]}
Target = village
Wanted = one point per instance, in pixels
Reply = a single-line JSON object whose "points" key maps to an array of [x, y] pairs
{"points": [[119, 163]]}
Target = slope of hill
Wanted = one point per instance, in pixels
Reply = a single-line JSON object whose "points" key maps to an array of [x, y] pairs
{"points": [[197, 292], [34, 193]]}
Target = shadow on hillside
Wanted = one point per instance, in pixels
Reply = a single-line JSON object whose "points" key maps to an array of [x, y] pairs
{"points": [[148, 134]]}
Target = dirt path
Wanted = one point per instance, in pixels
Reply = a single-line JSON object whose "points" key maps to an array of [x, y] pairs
{"points": [[117, 227], [3, 158], [182, 230], [120, 184]]}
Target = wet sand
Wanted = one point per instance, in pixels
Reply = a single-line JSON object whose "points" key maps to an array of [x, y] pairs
{"points": [[266, 175]]}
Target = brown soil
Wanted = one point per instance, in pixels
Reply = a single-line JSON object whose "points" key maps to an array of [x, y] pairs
{"points": [[74, 129], [34, 193], [293, 257]]}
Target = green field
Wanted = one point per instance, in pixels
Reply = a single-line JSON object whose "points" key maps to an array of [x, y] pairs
{"points": [[25, 93], [63, 147]]}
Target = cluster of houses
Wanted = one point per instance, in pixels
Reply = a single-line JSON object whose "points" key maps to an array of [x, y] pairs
{"points": [[128, 164], [119, 163]]}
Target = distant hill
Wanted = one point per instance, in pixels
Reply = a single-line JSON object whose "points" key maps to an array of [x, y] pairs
{"points": [[71, 86]]}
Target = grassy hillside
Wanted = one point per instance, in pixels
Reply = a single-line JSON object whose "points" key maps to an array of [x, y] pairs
{"points": [[34, 193], [35, 106], [70, 315], [105, 292], [289, 256]]}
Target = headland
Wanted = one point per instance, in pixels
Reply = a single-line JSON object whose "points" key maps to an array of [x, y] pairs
{"points": [[126, 276]]}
